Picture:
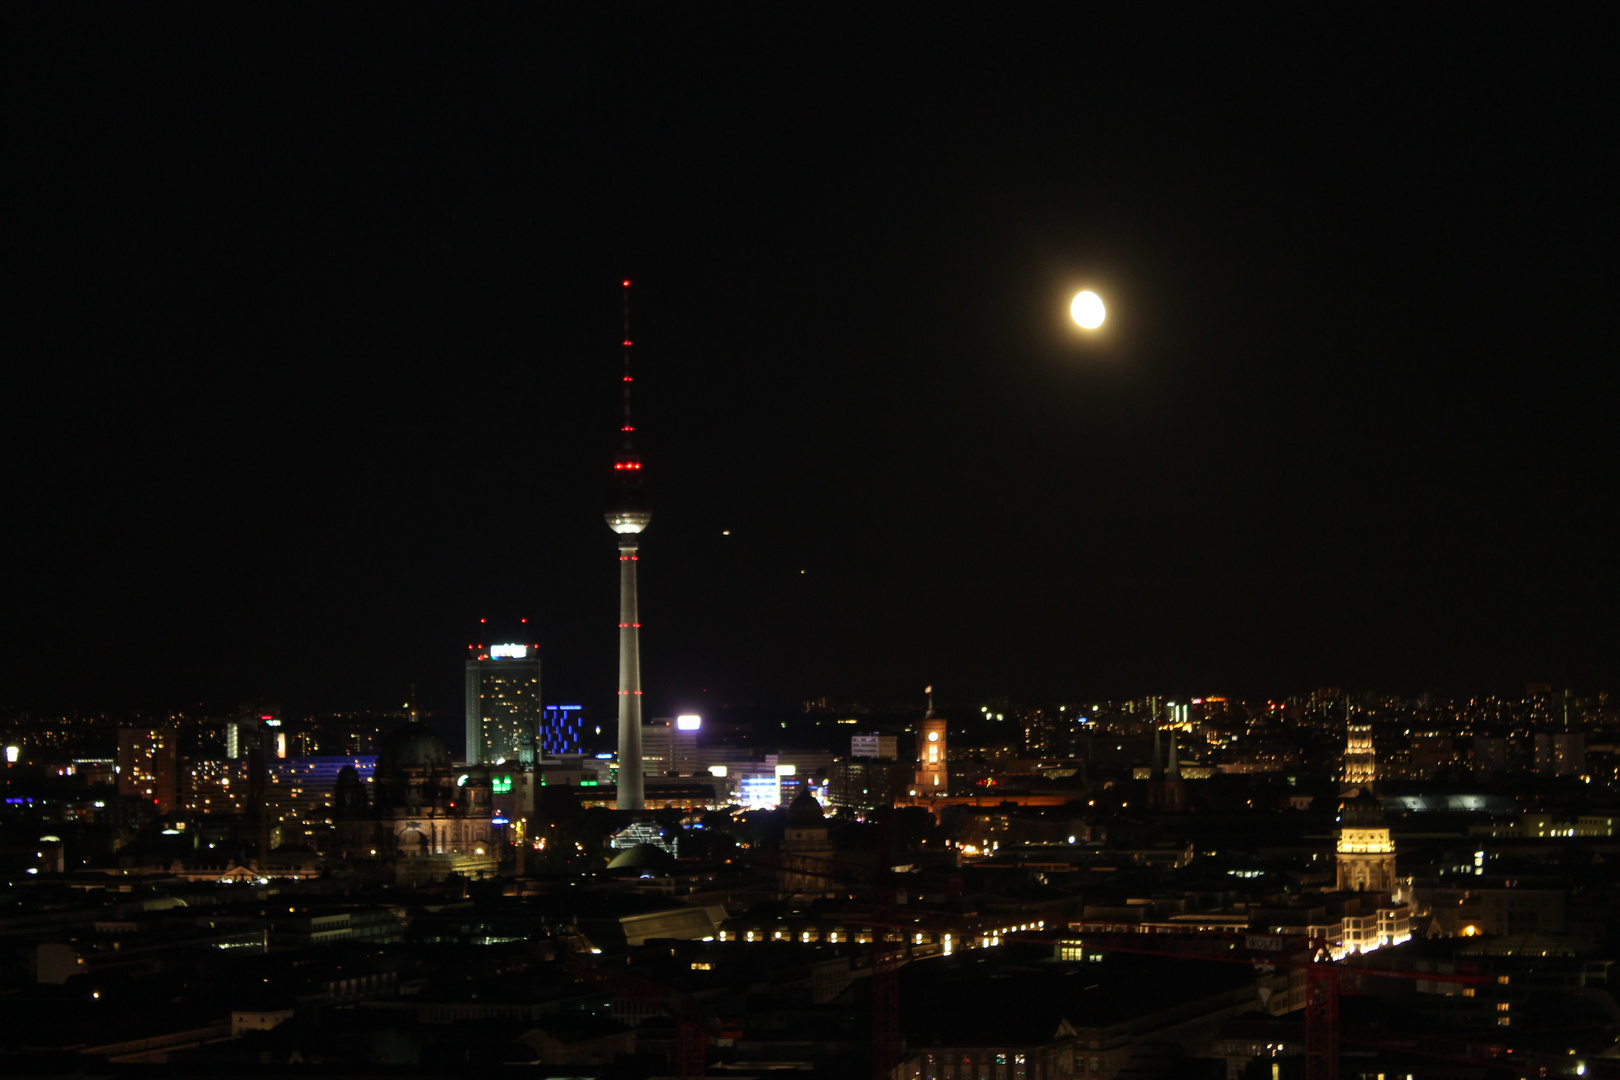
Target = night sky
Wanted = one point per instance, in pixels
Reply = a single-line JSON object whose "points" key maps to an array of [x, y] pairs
{"points": [[312, 325]]}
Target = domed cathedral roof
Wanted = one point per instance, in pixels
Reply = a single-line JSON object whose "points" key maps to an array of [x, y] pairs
{"points": [[805, 811], [413, 745], [1361, 811], [349, 793], [642, 857]]}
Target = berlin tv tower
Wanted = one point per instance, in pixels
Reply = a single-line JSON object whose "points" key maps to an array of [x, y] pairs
{"points": [[627, 518]]}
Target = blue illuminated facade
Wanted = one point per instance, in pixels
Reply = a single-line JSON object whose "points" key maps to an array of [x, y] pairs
{"points": [[562, 730]]}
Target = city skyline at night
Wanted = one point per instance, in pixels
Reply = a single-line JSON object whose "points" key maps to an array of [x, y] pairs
{"points": [[1132, 591]]}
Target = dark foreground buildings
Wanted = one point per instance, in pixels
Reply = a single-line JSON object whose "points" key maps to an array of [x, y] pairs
{"points": [[1020, 898]]}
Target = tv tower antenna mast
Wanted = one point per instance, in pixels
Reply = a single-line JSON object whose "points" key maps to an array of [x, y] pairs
{"points": [[628, 517]]}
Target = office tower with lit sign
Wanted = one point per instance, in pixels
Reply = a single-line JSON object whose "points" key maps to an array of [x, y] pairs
{"points": [[503, 703], [627, 518], [669, 746]]}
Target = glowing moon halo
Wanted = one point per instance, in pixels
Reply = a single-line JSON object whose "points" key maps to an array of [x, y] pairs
{"points": [[1088, 310]]}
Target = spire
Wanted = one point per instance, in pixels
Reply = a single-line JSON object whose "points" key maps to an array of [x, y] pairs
{"points": [[1172, 768], [628, 517], [1153, 762], [929, 690], [627, 464]]}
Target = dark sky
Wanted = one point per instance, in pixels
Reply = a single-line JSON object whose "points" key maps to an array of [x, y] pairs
{"points": [[312, 324]]}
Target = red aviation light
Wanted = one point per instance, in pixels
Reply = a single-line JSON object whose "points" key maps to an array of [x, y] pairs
{"points": [[627, 283], [628, 427], [627, 343], [628, 379]]}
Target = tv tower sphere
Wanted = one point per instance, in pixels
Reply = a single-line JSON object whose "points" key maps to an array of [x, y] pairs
{"points": [[628, 522]]}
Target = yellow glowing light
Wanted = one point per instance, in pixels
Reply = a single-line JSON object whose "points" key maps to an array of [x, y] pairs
{"points": [[1088, 310]]}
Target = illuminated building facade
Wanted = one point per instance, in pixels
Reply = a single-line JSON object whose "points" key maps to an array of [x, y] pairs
{"points": [[562, 730], [215, 787], [300, 793], [1360, 763], [504, 713], [1366, 854], [933, 775], [148, 766], [874, 746], [865, 783], [669, 746], [419, 805], [1561, 754], [628, 517]]}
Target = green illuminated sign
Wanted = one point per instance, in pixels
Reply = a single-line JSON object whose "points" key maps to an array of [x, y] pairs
{"points": [[501, 784]]}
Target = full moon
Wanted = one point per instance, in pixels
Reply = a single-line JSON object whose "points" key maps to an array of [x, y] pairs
{"points": [[1088, 310]]}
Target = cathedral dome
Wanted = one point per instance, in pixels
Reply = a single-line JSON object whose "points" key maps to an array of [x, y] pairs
{"points": [[413, 746], [642, 857], [804, 811], [1361, 810]]}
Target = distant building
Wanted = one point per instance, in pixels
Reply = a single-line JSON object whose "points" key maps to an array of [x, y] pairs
{"points": [[933, 770], [1360, 762], [874, 746], [241, 736], [300, 792], [562, 730], [1562, 754], [807, 853], [1366, 854], [1490, 756], [669, 746], [215, 787], [148, 766], [503, 703], [420, 806], [865, 783]]}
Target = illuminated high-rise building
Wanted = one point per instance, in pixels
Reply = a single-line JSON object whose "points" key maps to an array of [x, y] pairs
{"points": [[148, 766], [503, 702], [627, 518]]}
